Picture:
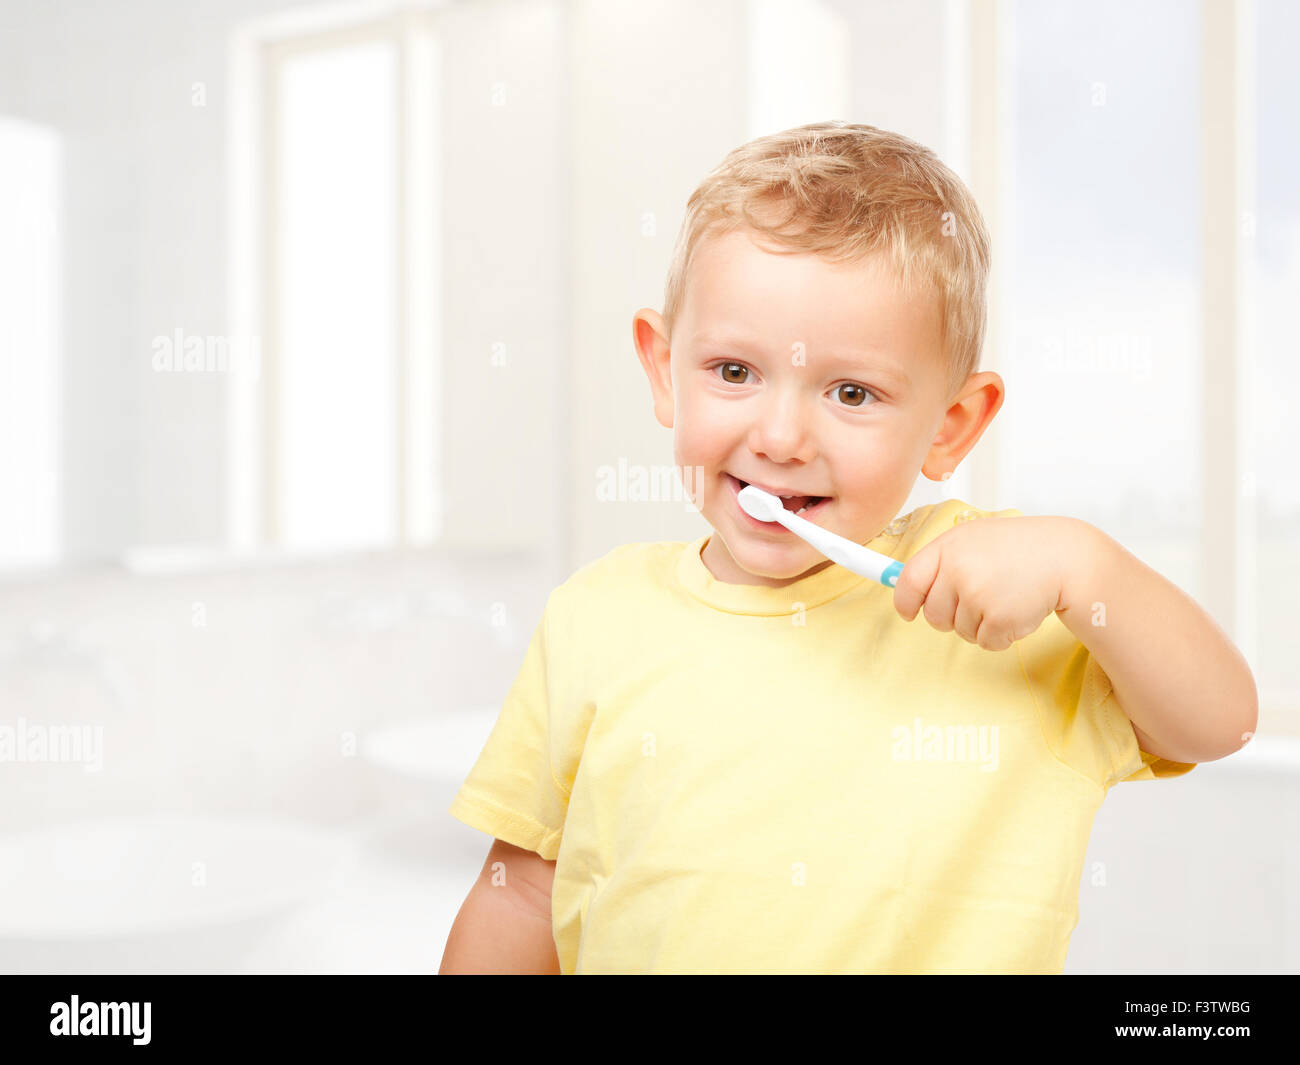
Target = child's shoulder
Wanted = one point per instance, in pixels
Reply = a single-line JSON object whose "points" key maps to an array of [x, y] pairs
{"points": [[647, 561], [918, 527]]}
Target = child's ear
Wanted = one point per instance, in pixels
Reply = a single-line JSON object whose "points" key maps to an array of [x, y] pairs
{"points": [[968, 415], [651, 340]]}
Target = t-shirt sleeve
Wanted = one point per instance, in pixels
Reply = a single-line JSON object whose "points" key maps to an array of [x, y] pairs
{"points": [[514, 790], [1080, 716]]}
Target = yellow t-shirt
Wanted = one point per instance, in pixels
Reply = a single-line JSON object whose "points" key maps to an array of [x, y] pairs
{"points": [[745, 779]]}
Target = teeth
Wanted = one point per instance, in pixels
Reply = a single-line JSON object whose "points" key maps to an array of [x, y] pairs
{"points": [[793, 496]]}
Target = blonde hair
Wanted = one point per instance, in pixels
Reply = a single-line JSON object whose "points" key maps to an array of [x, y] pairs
{"points": [[852, 191]]}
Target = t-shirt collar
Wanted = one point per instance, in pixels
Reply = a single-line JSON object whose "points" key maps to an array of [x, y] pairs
{"points": [[761, 599]]}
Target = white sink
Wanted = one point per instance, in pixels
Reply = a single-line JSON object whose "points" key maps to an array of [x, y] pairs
{"points": [[441, 748], [154, 894]]}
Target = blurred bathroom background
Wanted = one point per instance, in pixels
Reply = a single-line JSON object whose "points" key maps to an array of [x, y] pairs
{"points": [[315, 335]]}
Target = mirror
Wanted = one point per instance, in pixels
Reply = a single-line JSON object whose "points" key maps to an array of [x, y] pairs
{"points": [[263, 276]]}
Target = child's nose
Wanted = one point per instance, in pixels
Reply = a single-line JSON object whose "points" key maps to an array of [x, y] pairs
{"points": [[783, 429]]}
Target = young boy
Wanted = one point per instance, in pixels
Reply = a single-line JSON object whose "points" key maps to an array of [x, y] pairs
{"points": [[735, 756]]}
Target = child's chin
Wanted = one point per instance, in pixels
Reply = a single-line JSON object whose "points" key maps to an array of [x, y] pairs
{"points": [[781, 562]]}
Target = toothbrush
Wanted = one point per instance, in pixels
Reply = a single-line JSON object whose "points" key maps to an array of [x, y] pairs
{"points": [[861, 560]]}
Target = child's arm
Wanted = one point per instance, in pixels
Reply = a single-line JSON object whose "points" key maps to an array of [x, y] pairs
{"points": [[1183, 684], [504, 924], [1187, 690]]}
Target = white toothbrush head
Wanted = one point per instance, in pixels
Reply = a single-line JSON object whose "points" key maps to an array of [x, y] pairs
{"points": [[761, 505], [857, 557]]}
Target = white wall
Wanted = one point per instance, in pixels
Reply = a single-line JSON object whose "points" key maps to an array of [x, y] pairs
{"points": [[505, 225]]}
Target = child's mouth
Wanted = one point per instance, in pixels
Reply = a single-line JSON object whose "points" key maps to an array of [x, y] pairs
{"points": [[803, 506]]}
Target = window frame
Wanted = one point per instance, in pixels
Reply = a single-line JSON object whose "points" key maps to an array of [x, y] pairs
{"points": [[255, 473]]}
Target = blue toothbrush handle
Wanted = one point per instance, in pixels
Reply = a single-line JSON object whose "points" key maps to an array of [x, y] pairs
{"points": [[860, 559]]}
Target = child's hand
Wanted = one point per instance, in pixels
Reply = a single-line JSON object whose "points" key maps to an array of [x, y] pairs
{"points": [[993, 580]]}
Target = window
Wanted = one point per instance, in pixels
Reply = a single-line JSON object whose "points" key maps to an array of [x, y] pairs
{"points": [[1151, 279], [335, 447], [1271, 476], [333, 222], [1102, 258]]}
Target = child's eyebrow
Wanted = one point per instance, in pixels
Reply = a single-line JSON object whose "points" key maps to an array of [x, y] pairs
{"points": [[858, 362], [866, 366]]}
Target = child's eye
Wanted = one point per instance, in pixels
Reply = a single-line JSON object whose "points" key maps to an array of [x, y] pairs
{"points": [[724, 366], [858, 393], [857, 398]]}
